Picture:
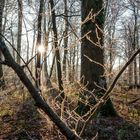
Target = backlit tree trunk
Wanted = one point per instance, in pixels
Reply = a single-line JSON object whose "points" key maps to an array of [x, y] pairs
{"points": [[20, 17], [38, 43], [65, 37], [57, 53]]}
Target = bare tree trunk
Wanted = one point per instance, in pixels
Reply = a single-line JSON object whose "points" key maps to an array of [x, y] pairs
{"points": [[38, 43], [19, 38], [33, 47], [57, 53], [46, 37], [65, 38], [52, 66], [69, 65], [110, 60], [73, 63], [12, 38], [130, 73], [139, 54], [130, 50], [135, 46], [27, 39], [2, 2], [77, 64], [139, 69], [92, 56]]}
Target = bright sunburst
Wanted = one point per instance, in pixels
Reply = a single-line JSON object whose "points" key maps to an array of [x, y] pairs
{"points": [[41, 48]]}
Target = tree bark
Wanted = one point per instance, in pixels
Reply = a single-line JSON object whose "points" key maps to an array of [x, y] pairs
{"points": [[135, 45], [38, 43], [19, 37], [46, 40], [57, 53], [92, 54], [65, 38]]}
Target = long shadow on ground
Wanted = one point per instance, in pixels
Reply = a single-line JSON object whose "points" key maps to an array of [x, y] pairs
{"points": [[26, 123]]}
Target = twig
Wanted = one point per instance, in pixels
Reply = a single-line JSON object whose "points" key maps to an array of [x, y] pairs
{"points": [[19, 56], [105, 97], [133, 101], [40, 103]]}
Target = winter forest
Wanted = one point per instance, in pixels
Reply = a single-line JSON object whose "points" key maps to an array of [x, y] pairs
{"points": [[69, 70]]}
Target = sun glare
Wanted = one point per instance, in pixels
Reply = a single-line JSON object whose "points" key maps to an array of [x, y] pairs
{"points": [[41, 48]]}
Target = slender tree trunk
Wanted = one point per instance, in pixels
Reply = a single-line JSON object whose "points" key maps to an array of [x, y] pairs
{"points": [[110, 60], [130, 50], [111, 38], [73, 63], [130, 74], [139, 69], [47, 79], [38, 43], [2, 2], [57, 53], [65, 37], [12, 38], [135, 47], [19, 37], [27, 39], [33, 47], [70, 66], [52, 66], [77, 64], [139, 54]]}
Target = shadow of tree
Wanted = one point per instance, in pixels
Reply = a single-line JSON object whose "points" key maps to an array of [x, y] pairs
{"points": [[27, 124], [112, 128]]}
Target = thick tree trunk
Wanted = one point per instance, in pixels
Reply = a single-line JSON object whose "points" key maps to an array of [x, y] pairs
{"points": [[92, 54]]}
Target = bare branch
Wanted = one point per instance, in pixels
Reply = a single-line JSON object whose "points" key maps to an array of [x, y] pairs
{"points": [[39, 102]]}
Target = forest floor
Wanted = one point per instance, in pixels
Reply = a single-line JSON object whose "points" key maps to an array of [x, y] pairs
{"points": [[21, 120]]}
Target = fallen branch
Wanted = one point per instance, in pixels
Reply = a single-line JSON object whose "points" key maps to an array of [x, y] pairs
{"points": [[39, 102]]}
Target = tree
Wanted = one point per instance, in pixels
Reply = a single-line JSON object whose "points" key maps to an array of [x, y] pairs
{"points": [[1, 15], [65, 37], [113, 12], [131, 37], [135, 38], [38, 43], [92, 55], [20, 16], [57, 53]]}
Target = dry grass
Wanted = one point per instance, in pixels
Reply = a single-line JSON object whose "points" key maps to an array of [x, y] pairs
{"points": [[20, 119]]}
